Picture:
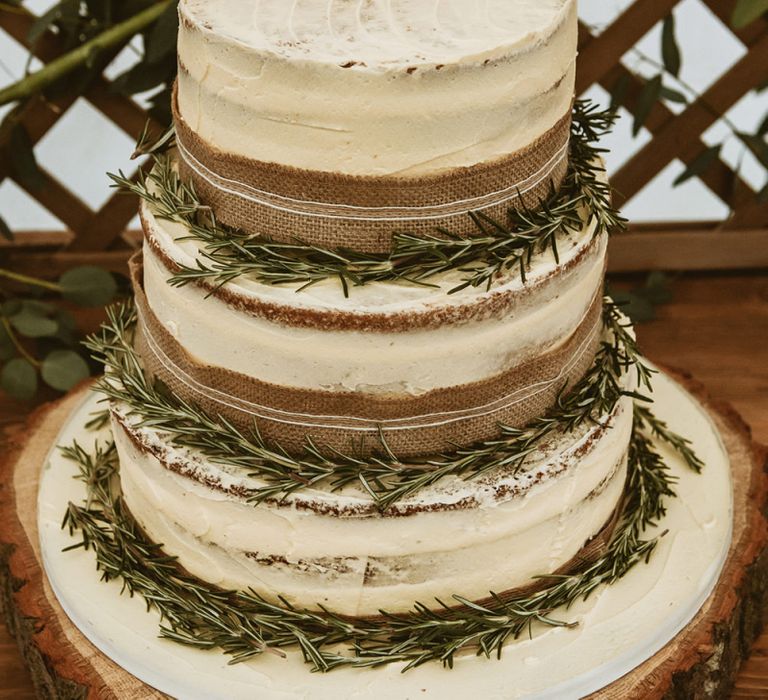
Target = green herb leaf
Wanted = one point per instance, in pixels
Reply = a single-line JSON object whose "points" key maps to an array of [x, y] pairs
{"points": [[699, 164], [67, 327], [88, 286], [757, 145], [636, 306], [160, 41], [11, 307], [670, 52], [5, 230], [673, 95], [22, 156], [648, 97], [31, 321], [762, 130], [142, 77], [619, 90], [7, 348], [66, 11], [747, 11], [63, 369], [19, 379]]}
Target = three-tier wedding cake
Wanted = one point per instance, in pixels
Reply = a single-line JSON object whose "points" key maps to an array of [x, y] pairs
{"points": [[370, 397]]}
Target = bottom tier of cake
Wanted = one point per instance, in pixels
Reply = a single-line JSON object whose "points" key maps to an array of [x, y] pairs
{"points": [[493, 533], [614, 630]]}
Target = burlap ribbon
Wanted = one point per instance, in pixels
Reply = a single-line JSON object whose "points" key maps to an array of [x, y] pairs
{"points": [[435, 421], [334, 210]]}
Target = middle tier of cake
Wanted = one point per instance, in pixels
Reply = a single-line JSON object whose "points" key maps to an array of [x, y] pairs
{"points": [[423, 368]]}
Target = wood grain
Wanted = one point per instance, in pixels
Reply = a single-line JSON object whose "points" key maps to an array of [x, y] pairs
{"points": [[716, 327]]}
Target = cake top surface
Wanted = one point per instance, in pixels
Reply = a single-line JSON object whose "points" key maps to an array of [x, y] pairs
{"points": [[379, 34]]}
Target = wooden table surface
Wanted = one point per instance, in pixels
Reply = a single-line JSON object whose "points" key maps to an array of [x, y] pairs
{"points": [[716, 328]]}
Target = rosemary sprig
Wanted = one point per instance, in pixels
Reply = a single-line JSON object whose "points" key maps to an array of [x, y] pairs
{"points": [[496, 248], [660, 429], [387, 478], [244, 625]]}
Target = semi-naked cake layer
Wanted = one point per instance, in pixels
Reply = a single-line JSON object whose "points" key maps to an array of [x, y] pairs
{"points": [[470, 538], [341, 123], [388, 358], [375, 87]]}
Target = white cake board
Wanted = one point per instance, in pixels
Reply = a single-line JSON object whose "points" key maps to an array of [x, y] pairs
{"points": [[620, 626]]}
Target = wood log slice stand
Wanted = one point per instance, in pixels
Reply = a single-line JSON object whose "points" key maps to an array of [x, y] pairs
{"points": [[701, 662]]}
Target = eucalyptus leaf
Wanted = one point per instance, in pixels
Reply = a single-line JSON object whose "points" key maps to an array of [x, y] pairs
{"points": [[18, 379], [63, 369], [747, 11], [657, 288], [648, 97], [11, 307], [7, 348], [39, 307], [670, 52], [636, 306], [67, 327], [88, 286], [699, 164], [32, 322]]}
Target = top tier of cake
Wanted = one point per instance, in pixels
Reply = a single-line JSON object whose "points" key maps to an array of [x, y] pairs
{"points": [[375, 87]]}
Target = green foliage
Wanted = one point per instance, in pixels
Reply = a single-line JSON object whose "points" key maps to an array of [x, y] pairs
{"points": [[657, 89], [747, 11], [21, 157], [670, 52], [63, 369], [18, 378], [88, 286], [32, 320], [639, 303], [649, 96], [31, 327], [5, 230], [699, 164]]}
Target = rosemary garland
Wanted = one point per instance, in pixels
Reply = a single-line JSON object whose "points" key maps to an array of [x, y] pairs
{"points": [[385, 477], [494, 250], [245, 625]]}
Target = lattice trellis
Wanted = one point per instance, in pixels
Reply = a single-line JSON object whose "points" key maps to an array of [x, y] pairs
{"points": [[100, 237]]}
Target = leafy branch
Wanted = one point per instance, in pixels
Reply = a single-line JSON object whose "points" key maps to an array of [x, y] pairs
{"points": [[37, 338], [657, 88], [83, 55], [245, 625], [494, 250]]}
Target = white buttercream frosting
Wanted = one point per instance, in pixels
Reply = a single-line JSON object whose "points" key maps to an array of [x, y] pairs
{"points": [[619, 626], [375, 86], [535, 316], [504, 528]]}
